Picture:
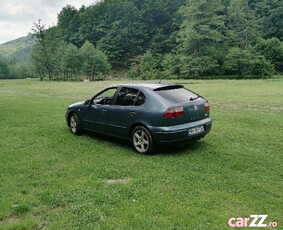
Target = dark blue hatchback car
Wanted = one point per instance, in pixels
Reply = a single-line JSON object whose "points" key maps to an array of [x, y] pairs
{"points": [[146, 114]]}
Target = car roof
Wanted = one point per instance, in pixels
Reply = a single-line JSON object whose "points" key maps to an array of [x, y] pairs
{"points": [[152, 86]]}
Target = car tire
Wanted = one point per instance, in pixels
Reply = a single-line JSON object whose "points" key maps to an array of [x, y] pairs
{"points": [[75, 124], [142, 140]]}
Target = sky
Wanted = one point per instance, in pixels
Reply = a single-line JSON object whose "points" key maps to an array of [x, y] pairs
{"points": [[17, 16]]}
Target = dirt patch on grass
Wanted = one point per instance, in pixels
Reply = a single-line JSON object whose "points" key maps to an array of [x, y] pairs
{"points": [[118, 181], [11, 219]]}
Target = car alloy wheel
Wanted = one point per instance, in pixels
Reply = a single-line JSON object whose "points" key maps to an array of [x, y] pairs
{"points": [[75, 125], [142, 140]]}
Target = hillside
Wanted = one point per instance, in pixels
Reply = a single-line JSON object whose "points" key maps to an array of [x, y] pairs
{"points": [[155, 39], [19, 48], [164, 39]]}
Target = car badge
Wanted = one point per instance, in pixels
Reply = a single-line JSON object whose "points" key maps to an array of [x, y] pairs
{"points": [[195, 107]]}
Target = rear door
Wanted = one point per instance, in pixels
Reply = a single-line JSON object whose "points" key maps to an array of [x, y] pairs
{"points": [[125, 111]]}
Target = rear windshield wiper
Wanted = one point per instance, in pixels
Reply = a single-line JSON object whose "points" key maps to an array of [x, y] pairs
{"points": [[194, 98]]}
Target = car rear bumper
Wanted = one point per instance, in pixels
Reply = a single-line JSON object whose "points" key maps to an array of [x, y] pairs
{"points": [[180, 133]]}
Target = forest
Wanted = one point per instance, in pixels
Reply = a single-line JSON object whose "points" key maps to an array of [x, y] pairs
{"points": [[157, 39]]}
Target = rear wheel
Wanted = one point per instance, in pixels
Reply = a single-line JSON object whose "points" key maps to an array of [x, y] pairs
{"points": [[75, 124], [142, 140]]}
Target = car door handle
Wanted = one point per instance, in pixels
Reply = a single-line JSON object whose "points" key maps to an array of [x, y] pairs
{"points": [[104, 111], [132, 113]]}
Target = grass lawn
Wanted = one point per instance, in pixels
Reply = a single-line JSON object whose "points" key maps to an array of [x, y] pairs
{"points": [[51, 179]]}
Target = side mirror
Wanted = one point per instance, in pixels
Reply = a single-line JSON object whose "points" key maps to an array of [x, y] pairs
{"points": [[87, 102]]}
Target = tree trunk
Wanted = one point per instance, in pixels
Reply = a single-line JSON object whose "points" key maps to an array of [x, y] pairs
{"points": [[247, 25], [196, 64], [92, 73], [240, 70]]}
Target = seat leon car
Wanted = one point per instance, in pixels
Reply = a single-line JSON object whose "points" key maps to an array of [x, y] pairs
{"points": [[146, 114]]}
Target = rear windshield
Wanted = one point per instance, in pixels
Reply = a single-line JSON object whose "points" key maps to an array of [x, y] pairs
{"points": [[177, 95]]}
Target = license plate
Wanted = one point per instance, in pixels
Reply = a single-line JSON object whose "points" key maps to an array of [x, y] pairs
{"points": [[196, 130]]}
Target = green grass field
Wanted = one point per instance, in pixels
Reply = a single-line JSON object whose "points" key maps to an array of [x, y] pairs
{"points": [[51, 179]]}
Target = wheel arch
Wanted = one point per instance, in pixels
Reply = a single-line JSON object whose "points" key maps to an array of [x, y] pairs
{"points": [[133, 126], [69, 117]]}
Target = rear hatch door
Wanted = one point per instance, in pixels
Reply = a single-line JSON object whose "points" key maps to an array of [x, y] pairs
{"points": [[178, 96]]}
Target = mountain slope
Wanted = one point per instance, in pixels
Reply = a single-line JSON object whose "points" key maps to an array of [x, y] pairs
{"points": [[19, 48]]}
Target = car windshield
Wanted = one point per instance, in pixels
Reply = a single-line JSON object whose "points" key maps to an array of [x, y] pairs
{"points": [[176, 95]]}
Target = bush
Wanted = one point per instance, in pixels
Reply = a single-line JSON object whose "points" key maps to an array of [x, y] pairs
{"points": [[260, 67]]}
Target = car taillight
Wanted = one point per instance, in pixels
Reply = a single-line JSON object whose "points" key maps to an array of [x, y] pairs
{"points": [[206, 106], [174, 112]]}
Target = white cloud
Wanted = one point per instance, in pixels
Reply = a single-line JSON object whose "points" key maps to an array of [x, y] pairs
{"points": [[17, 16]]}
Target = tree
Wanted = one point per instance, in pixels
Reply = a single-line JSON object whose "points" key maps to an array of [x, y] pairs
{"points": [[270, 14], [237, 61], [4, 69], [201, 36], [242, 35], [94, 61], [72, 60], [20, 70], [171, 65], [43, 56], [47, 53], [185, 38], [150, 66], [66, 23], [124, 36], [272, 50]]}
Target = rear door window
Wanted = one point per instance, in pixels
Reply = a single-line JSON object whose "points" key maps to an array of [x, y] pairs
{"points": [[127, 96], [176, 95], [140, 99]]}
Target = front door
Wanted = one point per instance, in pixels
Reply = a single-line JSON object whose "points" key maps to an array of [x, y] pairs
{"points": [[96, 115]]}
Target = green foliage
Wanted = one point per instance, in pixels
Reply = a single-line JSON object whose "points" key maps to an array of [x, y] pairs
{"points": [[200, 36], [125, 38], [270, 14], [247, 62], [21, 70], [186, 38], [72, 60], [272, 50], [237, 61], [242, 57], [37, 60], [45, 52], [66, 23], [170, 66], [94, 61], [4, 69], [150, 66], [260, 67]]}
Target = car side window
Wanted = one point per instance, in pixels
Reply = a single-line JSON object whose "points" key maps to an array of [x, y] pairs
{"points": [[127, 96], [105, 98], [140, 99]]}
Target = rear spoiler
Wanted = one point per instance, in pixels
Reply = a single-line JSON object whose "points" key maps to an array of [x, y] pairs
{"points": [[169, 87]]}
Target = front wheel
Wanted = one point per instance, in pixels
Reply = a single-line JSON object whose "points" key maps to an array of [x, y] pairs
{"points": [[142, 140], [75, 124]]}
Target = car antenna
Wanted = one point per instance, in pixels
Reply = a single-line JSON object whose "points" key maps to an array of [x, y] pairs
{"points": [[160, 81]]}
